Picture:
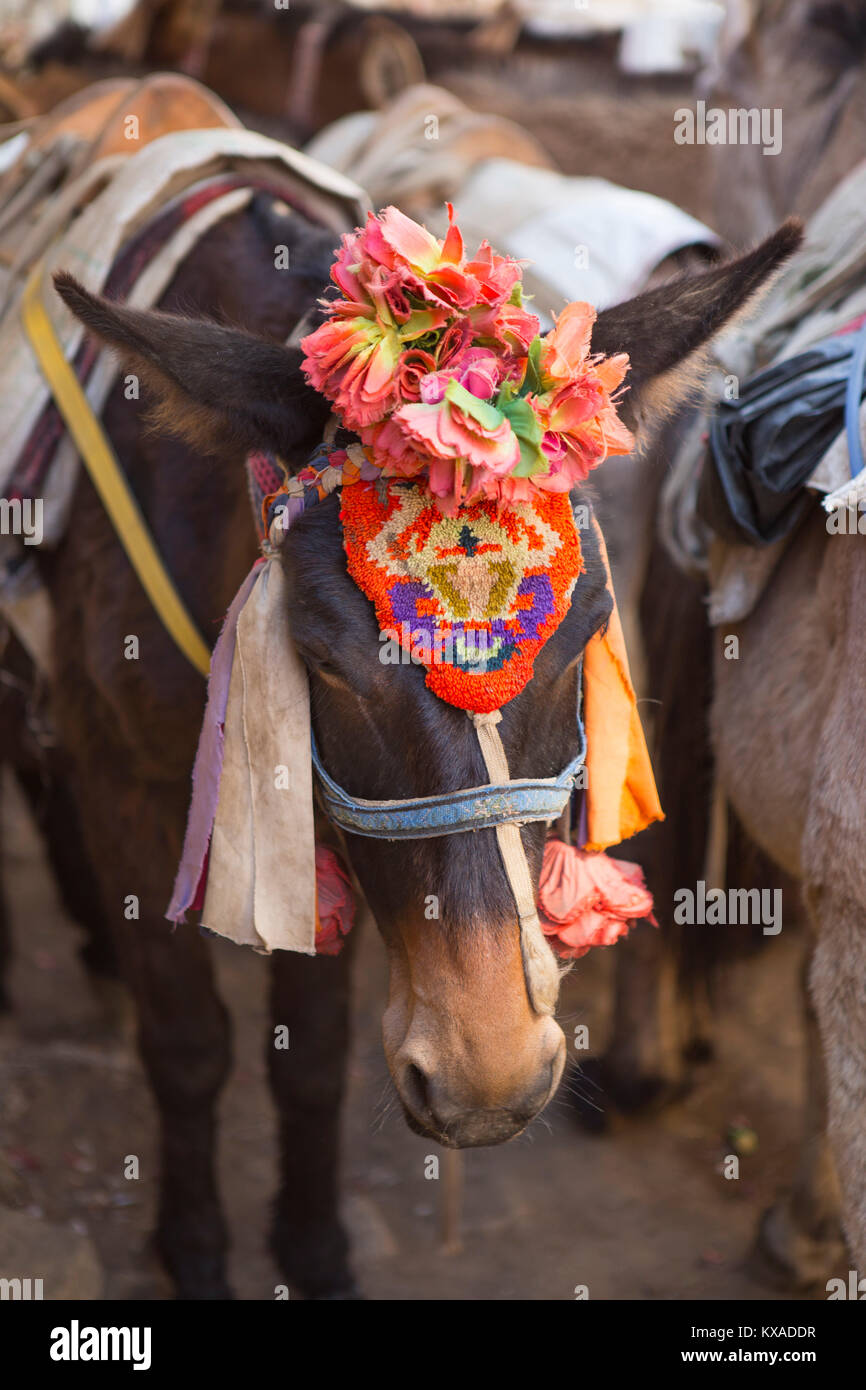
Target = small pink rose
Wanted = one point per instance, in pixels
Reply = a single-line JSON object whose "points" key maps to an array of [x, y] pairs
{"points": [[415, 366]]}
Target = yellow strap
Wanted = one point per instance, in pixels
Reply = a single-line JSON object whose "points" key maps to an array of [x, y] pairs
{"points": [[108, 478]]}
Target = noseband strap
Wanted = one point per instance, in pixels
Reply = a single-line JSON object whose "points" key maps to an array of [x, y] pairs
{"points": [[500, 802]]}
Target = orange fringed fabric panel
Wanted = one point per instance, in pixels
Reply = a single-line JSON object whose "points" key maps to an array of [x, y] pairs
{"points": [[621, 792]]}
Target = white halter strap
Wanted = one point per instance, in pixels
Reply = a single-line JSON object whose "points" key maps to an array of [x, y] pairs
{"points": [[539, 963]]}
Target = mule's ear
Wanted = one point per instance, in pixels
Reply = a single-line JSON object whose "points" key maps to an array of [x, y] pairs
{"points": [[666, 331], [212, 385]]}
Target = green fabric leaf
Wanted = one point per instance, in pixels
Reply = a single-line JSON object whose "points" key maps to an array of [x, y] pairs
{"points": [[534, 382], [487, 416], [527, 428]]}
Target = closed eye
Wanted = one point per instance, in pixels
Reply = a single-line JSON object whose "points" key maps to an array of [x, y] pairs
{"points": [[331, 676], [316, 657], [320, 663]]}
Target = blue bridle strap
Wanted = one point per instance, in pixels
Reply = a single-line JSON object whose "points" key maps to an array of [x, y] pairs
{"points": [[453, 813], [852, 403]]}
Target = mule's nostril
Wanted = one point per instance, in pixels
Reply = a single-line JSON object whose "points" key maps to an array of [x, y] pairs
{"points": [[416, 1089]]}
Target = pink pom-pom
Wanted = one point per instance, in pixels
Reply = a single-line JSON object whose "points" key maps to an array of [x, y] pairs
{"points": [[587, 899]]}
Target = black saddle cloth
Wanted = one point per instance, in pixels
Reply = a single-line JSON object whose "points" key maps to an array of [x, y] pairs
{"points": [[764, 446]]}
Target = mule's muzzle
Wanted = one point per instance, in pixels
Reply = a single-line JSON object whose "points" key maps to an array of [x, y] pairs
{"points": [[436, 1107]]}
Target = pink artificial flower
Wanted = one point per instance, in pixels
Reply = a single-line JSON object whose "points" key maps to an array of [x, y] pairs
{"points": [[408, 240], [460, 448], [387, 289], [496, 276], [579, 418], [395, 454], [430, 269], [509, 325], [508, 491], [335, 902], [566, 348], [554, 447], [445, 431], [393, 258], [478, 369], [344, 271], [353, 362], [575, 403], [416, 366], [434, 386], [588, 899], [572, 449], [420, 346], [454, 341]]}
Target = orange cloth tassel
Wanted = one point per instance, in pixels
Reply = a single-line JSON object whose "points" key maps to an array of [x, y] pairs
{"points": [[621, 795]]}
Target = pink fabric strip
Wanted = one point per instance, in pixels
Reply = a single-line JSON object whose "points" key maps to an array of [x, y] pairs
{"points": [[208, 761]]}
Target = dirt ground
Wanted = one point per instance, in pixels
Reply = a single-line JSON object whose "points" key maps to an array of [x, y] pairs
{"points": [[644, 1212]]}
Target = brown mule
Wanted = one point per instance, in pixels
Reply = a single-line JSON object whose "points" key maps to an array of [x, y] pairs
{"points": [[781, 767], [470, 1058], [797, 684]]}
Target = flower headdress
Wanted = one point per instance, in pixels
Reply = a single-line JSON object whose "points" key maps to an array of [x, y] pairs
{"points": [[436, 363]]}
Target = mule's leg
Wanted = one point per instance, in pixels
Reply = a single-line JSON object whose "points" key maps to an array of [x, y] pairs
{"points": [[133, 830], [643, 1064], [185, 1043], [838, 980], [310, 996], [641, 1067], [799, 1239], [5, 937], [643, 1058], [48, 795]]}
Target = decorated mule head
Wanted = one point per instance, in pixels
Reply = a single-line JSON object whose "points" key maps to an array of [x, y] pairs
{"points": [[460, 526]]}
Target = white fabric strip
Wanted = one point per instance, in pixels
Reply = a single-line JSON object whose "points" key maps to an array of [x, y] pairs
{"points": [[539, 962], [261, 886]]}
